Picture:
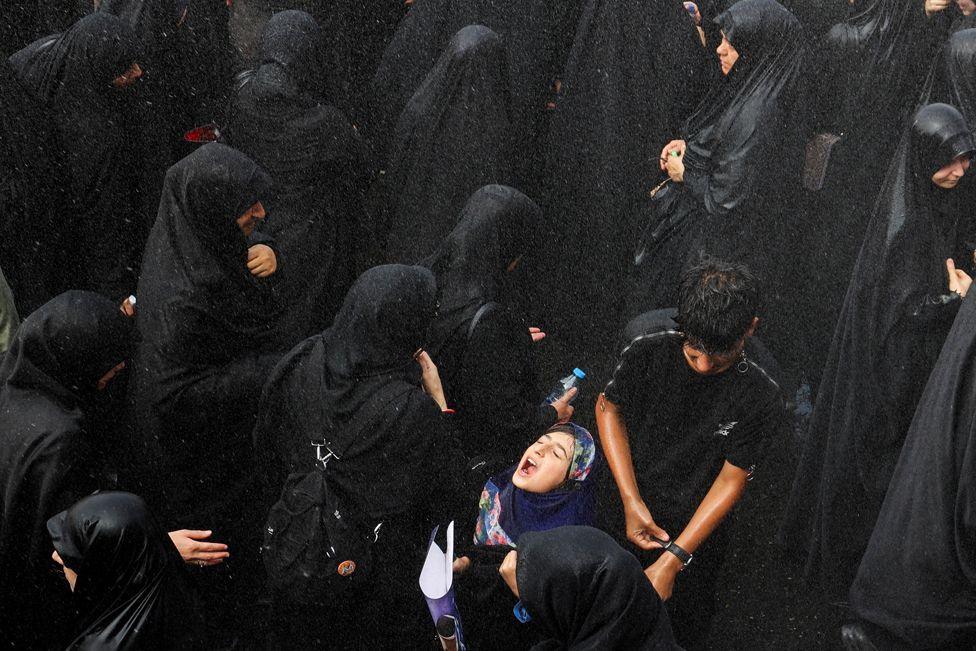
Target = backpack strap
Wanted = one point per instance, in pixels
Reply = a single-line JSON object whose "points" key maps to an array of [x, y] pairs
{"points": [[482, 311]]}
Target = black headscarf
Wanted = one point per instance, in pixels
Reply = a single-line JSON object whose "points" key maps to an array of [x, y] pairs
{"points": [[196, 293], [66, 81], [52, 450], [154, 21], [736, 124], [917, 580], [537, 35], [356, 387], [892, 327], [951, 80], [454, 136], [498, 226], [633, 73], [586, 593], [315, 158], [132, 590]]}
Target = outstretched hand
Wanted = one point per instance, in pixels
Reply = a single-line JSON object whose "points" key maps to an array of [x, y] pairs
{"points": [[190, 543]]}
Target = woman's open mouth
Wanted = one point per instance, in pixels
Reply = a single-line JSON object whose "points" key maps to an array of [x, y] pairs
{"points": [[527, 468]]}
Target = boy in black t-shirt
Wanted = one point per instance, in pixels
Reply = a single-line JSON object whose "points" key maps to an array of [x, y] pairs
{"points": [[684, 422]]}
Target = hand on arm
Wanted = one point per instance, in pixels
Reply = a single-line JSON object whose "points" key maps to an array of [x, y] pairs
{"points": [[725, 492], [641, 528]]}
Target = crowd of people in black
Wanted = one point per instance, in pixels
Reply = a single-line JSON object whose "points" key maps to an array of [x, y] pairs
{"points": [[285, 284]]}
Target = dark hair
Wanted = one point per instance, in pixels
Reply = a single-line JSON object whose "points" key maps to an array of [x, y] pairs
{"points": [[717, 302]]}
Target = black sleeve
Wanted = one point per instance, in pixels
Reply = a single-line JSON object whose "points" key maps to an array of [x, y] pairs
{"points": [[498, 380], [748, 439], [624, 385]]}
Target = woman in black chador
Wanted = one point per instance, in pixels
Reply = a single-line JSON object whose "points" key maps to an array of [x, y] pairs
{"points": [[867, 69], [586, 592], [480, 339], [537, 36], [56, 396], [130, 587], [313, 156], [730, 171], [917, 580], [895, 318], [454, 136], [206, 324], [358, 390], [73, 88], [634, 72]]}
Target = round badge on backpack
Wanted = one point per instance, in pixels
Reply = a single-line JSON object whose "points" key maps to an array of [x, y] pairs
{"points": [[346, 568]]}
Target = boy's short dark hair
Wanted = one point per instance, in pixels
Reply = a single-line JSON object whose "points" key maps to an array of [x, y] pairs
{"points": [[717, 302]]}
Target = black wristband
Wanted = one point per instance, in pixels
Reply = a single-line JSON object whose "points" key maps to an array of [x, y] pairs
{"points": [[682, 555]]}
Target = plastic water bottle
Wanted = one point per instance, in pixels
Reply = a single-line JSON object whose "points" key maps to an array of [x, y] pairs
{"points": [[574, 379]]}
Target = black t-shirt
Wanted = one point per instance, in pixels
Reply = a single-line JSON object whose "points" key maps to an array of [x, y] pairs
{"points": [[684, 426]]}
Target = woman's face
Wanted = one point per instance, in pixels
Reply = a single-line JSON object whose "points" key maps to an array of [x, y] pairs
{"points": [[249, 220], [69, 573], [727, 55], [949, 175], [128, 77], [545, 465]]}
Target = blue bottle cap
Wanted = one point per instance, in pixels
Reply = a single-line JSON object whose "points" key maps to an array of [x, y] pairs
{"points": [[578, 372], [521, 613]]}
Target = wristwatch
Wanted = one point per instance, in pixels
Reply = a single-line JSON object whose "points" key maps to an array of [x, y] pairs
{"points": [[682, 555]]}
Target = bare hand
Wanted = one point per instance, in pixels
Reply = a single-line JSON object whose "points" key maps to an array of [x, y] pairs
{"points": [[461, 565], [935, 6], [507, 570], [959, 280], [662, 575], [674, 149], [676, 168], [641, 528], [261, 260], [127, 308], [564, 410], [194, 551], [537, 334], [431, 379]]}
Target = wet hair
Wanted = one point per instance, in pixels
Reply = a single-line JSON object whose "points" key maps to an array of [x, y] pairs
{"points": [[717, 302]]}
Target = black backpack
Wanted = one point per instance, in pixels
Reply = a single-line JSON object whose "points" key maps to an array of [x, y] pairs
{"points": [[316, 545]]}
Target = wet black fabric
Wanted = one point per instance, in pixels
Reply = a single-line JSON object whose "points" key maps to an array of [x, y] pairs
{"points": [[917, 580], [633, 74], [885, 40], [205, 324], [356, 388], [154, 21], [893, 324], [741, 164], [488, 373], [454, 136], [53, 451], [132, 590], [537, 36], [315, 159], [586, 592], [67, 80]]}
